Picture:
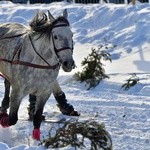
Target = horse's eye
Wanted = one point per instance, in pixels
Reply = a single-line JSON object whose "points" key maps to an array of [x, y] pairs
{"points": [[55, 37]]}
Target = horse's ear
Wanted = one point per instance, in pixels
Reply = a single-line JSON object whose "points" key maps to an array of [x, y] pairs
{"points": [[51, 18], [65, 13]]}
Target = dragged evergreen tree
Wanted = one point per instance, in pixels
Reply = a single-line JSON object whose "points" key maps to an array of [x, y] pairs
{"points": [[78, 134], [93, 71]]}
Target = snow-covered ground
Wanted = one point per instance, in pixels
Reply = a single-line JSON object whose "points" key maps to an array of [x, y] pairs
{"points": [[126, 114]]}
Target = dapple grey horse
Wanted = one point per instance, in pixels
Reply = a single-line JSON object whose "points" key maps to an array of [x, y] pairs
{"points": [[30, 59]]}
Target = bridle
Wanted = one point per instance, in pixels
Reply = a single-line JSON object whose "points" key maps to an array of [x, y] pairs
{"points": [[63, 48], [55, 49]]}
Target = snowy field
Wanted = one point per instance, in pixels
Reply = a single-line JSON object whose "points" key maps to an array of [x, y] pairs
{"points": [[126, 114]]}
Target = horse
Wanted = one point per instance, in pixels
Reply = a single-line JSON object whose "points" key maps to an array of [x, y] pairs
{"points": [[30, 59]]}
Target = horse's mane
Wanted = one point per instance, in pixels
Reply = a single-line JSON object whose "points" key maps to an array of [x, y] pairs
{"points": [[42, 24]]}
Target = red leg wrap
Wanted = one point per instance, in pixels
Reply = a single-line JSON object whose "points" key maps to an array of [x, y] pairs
{"points": [[36, 134], [4, 121]]}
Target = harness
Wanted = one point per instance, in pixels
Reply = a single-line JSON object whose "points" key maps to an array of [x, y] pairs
{"points": [[18, 49]]}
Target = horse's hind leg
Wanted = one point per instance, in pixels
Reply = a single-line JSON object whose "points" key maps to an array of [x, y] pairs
{"points": [[65, 107], [5, 101]]}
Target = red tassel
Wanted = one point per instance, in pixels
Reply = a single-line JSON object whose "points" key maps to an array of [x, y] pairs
{"points": [[36, 134]]}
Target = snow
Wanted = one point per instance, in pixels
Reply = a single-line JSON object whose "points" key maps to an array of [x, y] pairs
{"points": [[126, 114]]}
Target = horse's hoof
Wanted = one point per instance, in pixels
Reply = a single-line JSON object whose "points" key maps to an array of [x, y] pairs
{"points": [[36, 134], [4, 122], [68, 110], [74, 113]]}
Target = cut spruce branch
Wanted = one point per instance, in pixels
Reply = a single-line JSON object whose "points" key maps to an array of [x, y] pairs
{"points": [[132, 81], [75, 134]]}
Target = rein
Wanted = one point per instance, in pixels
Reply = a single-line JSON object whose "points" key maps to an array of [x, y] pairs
{"points": [[36, 51], [18, 62], [10, 37]]}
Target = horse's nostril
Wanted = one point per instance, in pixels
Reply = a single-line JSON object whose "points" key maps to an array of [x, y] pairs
{"points": [[69, 64], [65, 63]]}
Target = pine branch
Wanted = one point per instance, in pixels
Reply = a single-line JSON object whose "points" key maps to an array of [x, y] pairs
{"points": [[76, 133]]}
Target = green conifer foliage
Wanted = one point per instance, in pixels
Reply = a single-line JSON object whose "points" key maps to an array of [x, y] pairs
{"points": [[132, 81], [93, 71]]}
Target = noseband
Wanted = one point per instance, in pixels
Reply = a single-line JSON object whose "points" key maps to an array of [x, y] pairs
{"points": [[63, 48]]}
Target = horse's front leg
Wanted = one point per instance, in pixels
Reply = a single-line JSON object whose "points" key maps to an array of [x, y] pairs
{"points": [[37, 118], [5, 101], [12, 118]]}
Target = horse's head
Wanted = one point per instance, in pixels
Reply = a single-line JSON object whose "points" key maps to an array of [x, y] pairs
{"points": [[61, 36], [62, 40]]}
